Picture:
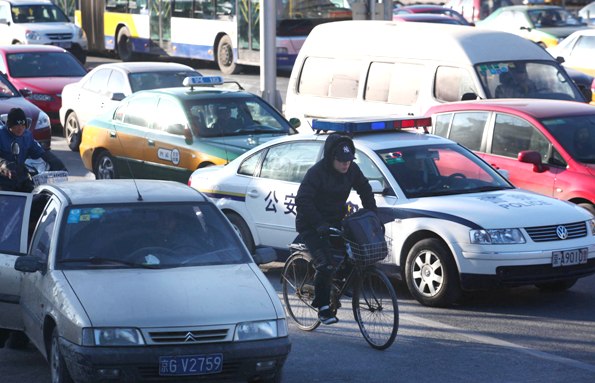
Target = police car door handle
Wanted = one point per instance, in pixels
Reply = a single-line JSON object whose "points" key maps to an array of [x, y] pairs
{"points": [[252, 193]]}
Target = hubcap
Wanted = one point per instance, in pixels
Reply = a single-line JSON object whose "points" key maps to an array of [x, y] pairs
{"points": [[106, 168], [428, 274]]}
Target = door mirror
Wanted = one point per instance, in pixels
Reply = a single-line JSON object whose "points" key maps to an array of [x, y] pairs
{"points": [[532, 157], [117, 96], [377, 187], [177, 129], [29, 264]]}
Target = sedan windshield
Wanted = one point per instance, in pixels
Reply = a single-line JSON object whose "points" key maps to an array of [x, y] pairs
{"points": [[147, 235], [44, 64], [575, 134], [432, 170], [526, 79]]}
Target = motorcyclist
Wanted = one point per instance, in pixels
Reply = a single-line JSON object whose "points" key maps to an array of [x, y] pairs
{"points": [[16, 145]]}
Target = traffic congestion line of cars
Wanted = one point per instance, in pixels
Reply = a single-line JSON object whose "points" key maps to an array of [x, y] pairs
{"points": [[461, 225]]}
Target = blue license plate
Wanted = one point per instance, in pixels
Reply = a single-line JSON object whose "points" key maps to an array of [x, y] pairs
{"points": [[190, 364]]}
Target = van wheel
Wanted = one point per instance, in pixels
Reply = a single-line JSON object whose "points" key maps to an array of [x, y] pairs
{"points": [[105, 167], [59, 371], [72, 132], [242, 229], [225, 57], [431, 273], [124, 45]]}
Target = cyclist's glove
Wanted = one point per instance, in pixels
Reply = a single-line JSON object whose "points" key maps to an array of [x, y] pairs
{"points": [[4, 170], [323, 230]]}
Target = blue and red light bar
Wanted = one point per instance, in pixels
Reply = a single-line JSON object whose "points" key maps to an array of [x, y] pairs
{"points": [[363, 125]]}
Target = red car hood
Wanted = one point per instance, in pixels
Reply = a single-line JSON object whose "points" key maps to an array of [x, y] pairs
{"points": [[19, 102], [50, 85]]}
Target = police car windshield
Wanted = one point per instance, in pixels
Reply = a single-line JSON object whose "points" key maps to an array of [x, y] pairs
{"points": [[432, 170]]}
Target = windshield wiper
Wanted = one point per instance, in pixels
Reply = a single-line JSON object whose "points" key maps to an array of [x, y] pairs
{"points": [[108, 261]]}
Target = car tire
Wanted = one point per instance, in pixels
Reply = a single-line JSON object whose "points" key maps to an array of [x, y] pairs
{"points": [[104, 166], [242, 229], [224, 57], [17, 340], [556, 286], [124, 45], [58, 370], [431, 273], [72, 132], [589, 207]]}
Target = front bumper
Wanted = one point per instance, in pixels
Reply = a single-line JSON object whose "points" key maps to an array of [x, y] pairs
{"points": [[137, 364]]}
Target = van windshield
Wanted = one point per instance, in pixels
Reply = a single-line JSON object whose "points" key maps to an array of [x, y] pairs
{"points": [[527, 79]]}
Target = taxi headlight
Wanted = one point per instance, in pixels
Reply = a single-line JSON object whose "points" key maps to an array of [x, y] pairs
{"points": [[43, 121], [496, 236], [260, 330], [112, 337]]}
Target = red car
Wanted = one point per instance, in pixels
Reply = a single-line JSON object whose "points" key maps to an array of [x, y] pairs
{"points": [[37, 120], [547, 146], [40, 72]]}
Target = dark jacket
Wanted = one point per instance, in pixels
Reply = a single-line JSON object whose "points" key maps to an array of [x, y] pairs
{"points": [[323, 192]]}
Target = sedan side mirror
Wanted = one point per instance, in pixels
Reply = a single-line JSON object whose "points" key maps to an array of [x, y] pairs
{"points": [[29, 264], [532, 157], [118, 96]]}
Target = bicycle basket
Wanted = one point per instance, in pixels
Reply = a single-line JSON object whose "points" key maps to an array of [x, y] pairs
{"points": [[369, 253], [50, 177]]}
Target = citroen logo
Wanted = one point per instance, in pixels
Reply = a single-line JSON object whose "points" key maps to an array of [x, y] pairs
{"points": [[189, 338], [562, 232]]}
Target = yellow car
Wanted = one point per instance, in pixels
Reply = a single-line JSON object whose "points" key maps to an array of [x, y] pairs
{"points": [[168, 133]]}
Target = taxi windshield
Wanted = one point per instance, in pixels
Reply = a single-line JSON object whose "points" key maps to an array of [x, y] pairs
{"points": [[234, 117], [432, 170], [147, 236], [526, 79], [576, 135]]}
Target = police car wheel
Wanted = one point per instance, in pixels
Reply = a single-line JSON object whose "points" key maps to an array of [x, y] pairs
{"points": [[242, 229], [431, 273]]}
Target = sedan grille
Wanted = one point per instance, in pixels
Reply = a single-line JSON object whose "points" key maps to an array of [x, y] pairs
{"points": [[59, 36], [557, 232], [188, 336]]}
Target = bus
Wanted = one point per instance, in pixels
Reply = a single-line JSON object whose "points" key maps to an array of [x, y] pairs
{"points": [[223, 31]]}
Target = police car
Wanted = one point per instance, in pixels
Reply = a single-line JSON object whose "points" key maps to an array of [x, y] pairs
{"points": [[456, 223], [168, 133]]}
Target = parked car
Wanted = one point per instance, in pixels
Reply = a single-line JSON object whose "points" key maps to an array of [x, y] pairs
{"points": [[107, 84], [475, 10], [578, 51], [40, 22], [41, 72], [587, 13], [37, 120], [148, 282], [456, 223], [430, 9], [546, 146], [585, 83], [546, 25], [428, 18], [168, 133]]}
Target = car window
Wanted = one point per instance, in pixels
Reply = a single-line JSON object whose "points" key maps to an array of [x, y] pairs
{"points": [[452, 83], [513, 134], [40, 243], [441, 124], [467, 129], [326, 77], [290, 162], [575, 134], [169, 113], [395, 83], [148, 235], [98, 81], [117, 82], [12, 208], [369, 168], [140, 110], [584, 48], [249, 165]]}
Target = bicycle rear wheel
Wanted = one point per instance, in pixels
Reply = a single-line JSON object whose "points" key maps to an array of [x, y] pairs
{"points": [[375, 308], [298, 290]]}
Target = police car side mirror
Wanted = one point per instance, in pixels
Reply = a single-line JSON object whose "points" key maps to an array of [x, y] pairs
{"points": [[117, 96], [264, 255], [377, 187]]}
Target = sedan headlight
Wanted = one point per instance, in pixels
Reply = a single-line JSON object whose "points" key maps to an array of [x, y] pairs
{"points": [[32, 35], [496, 236], [592, 222], [260, 330], [109, 337], [40, 97], [43, 121]]}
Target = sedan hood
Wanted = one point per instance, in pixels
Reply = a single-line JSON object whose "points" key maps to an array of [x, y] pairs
{"points": [[187, 296], [47, 85], [500, 209]]}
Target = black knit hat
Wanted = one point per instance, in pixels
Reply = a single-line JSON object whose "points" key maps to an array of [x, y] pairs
{"points": [[16, 116]]}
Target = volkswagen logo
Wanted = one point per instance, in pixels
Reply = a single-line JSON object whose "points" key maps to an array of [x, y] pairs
{"points": [[189, 338], [562, 232]]}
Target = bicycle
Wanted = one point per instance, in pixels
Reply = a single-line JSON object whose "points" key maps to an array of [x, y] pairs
{"points": [[373, 298]]}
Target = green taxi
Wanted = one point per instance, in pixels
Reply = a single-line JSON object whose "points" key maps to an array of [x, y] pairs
{"points": [[168, 133]]}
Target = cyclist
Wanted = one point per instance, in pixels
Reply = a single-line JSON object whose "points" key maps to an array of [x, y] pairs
{"points": [[13, 178], [321, 204]]}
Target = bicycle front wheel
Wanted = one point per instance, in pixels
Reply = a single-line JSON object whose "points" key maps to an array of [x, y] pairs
{"points": [[298, 291], [375, 308]]}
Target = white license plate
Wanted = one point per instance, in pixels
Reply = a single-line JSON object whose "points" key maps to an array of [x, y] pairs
{"points": [[569, 257], [63, 44], [190, 364]]}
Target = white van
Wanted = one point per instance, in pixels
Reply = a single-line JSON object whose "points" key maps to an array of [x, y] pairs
{"points": [[370, 68]]}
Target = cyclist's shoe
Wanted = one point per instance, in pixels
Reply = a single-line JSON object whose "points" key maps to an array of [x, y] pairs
{"points": [[325, 316]]}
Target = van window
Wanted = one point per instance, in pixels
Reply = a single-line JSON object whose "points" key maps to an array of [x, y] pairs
{"points": [[452, 83], [326, 77], [513, 134], [395, 83], [467, 129]]}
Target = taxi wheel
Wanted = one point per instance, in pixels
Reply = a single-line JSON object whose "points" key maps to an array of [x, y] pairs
{"points": [[431, 273], [72, 132], [104, 166], [225, 57], [242, 229], [58, 369]]}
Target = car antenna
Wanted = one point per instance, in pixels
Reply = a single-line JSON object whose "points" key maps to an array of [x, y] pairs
{"points": [[139, 196]]}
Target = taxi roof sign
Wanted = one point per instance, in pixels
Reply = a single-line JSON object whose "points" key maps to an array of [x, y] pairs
{"points": [[193, 81], [371, 124]]}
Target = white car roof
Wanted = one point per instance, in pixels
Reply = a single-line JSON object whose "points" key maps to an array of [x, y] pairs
{"points": [[145, 66]]}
